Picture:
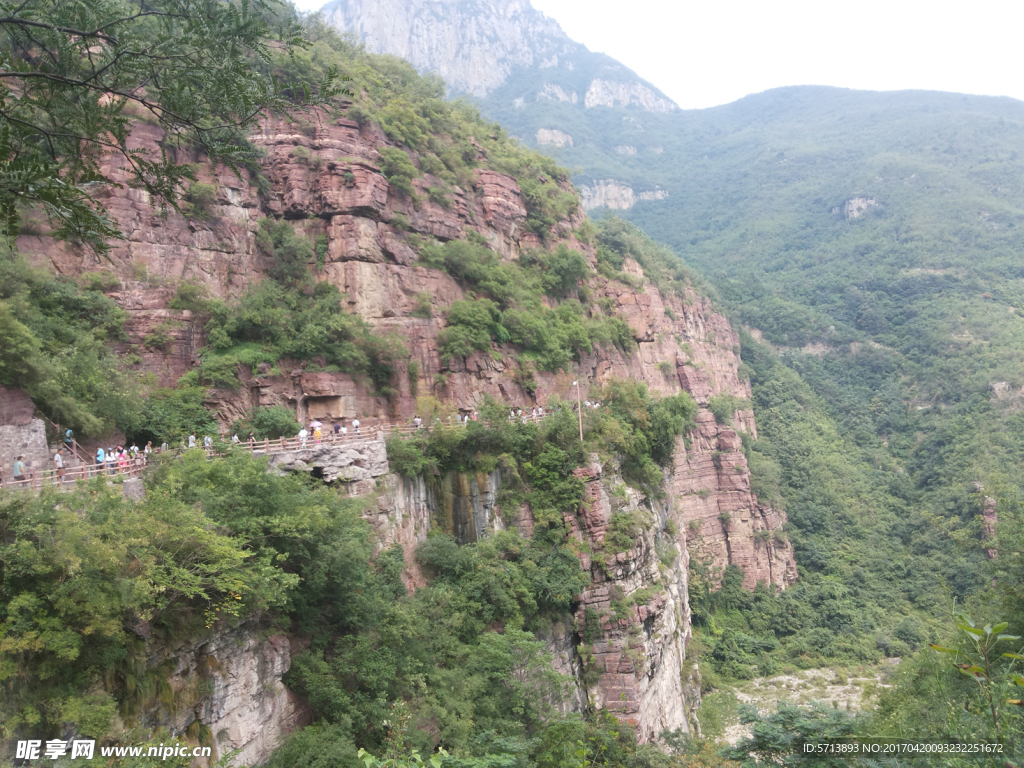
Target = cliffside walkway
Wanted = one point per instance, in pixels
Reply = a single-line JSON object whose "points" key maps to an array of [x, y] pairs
{"points": [[36, 481]]}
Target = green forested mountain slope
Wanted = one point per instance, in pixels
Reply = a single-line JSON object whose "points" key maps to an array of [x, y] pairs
{"points": [[913, 303]]}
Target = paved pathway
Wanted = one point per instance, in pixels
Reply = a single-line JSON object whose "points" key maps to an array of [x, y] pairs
{"points": [[35, 481]]}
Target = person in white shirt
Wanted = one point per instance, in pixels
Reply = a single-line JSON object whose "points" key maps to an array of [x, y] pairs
{"points": [[417, 422], [234, 439], [192, 440], [303, 435], [355, 426], [58, 464]]}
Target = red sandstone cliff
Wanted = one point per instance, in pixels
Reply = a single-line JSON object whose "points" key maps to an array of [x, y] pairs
{"points": [[334, 187]]}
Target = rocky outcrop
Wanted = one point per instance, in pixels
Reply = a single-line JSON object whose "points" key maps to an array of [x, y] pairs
{"points": [[473, 46], [634, 619], [723, 522], [552, 92], [607, 93], [609, 193], [552, 137], [229, 684], [855, 207], [989, 518], [16, 407], [485, 46], [354, 461]]}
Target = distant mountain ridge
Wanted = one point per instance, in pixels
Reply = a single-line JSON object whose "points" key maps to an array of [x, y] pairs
{"points": [[874, 239]]}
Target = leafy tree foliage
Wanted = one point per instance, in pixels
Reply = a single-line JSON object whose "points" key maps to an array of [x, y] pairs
{"points": [[268, 421], [54, 343], [290, 317], [76, 76], [779, 738], [160, 563], [510, 304], [171, 415]]}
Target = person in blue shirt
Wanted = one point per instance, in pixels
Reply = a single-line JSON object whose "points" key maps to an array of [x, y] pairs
{"points": [[100, 457]]}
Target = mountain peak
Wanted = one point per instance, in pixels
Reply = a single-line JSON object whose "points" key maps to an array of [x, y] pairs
{"points": [[478, 46]]}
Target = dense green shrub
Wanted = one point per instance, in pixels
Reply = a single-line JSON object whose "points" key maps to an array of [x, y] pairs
{"points": [[268, 421], [724, 406], [398, 170], [290, 255], [550, 337], [199, 199], [271, 322], [642, 429], [471, 325], [55, 344], [171, 415], [211, 541], [623, 530], [192, 296], [554, 489]]}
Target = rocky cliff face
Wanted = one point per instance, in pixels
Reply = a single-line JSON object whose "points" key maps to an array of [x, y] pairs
{"points": [[548, 89], [614, 195], [473, 46], [634, 619], [21, 434], [627, 644], [225, 691], [479, 46]]}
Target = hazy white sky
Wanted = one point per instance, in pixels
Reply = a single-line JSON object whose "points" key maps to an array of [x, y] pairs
{"points": [[715, 51]]}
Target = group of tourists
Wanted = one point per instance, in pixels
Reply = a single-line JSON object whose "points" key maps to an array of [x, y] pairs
{"points": [[119, 460], [315, 432], [109, 461], [337, 432]]}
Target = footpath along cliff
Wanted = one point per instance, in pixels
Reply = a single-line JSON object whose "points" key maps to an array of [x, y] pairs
{"points": [[626, 644]]}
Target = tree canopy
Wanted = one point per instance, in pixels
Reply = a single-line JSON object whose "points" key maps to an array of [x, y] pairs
{"points": [[75, 77]]}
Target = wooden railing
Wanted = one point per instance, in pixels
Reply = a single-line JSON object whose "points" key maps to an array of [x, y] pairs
{"points": [[34, 481]]}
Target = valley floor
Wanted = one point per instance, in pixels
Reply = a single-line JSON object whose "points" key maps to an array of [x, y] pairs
{"points": [[850, 689]]}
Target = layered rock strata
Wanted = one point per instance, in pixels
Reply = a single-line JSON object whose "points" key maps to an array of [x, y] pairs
{"points": [[634, 619], [326, 181]]}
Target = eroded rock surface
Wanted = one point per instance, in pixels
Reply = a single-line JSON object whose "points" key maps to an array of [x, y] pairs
{"points": [[230, 682], [325, 180]]}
